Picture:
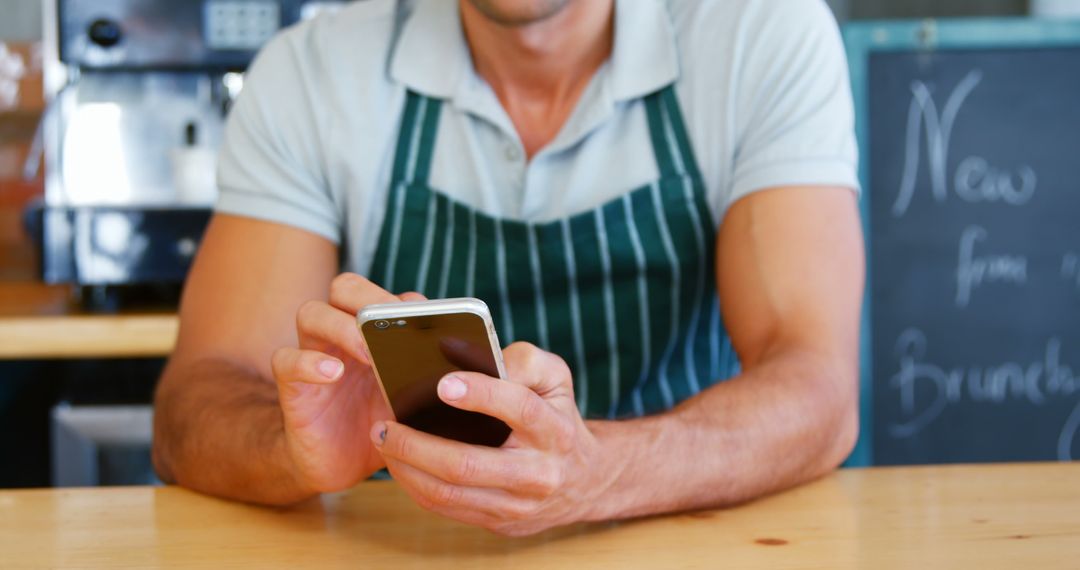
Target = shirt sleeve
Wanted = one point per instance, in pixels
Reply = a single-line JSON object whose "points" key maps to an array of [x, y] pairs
{"points": [[795, 124], [271, 161]]}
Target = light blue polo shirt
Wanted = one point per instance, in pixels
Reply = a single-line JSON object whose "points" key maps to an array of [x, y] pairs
{"points": [[763, 85]]}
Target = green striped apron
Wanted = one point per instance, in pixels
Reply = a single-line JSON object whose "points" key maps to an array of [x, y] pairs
{"points": [[624, 293]]}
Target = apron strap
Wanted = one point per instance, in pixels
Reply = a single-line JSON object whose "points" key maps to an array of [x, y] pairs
{"points": [[678, 127], [416, 139], [405, 138], [665, 161], [429, 132], [671, 145]]}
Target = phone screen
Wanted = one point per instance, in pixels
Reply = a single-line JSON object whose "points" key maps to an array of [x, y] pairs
{"points": [[412, 354]]}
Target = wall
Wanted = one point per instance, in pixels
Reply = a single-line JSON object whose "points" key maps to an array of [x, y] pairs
{"points": [[878, 9], [20, 107], [21, 20], [841, 8]]}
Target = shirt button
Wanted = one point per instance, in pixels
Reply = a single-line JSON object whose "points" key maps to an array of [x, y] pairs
{"points": [[513, 153]]}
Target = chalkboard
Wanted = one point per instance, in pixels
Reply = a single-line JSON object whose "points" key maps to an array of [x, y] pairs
{"points": [[972, 187]]}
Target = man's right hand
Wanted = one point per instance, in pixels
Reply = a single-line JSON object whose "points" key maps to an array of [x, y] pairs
{"points": [[328, 392], [238, 416]]}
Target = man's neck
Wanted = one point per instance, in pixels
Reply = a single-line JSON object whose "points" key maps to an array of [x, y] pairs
{"points": [[540, 70]]}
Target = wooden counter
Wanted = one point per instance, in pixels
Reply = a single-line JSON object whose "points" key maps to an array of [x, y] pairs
{"points": [[38, 321], [1014, 516]]}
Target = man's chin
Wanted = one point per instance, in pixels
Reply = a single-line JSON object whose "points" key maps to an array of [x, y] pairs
{"points": [[517, 13]]}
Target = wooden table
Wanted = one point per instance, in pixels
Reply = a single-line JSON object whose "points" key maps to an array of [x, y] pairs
{"points": [[39, 322], [1013, 516]]}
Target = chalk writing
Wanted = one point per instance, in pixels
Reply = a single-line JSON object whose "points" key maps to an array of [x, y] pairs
{"points": [[1070, 268], [926, 389], [972, 270], [975, 180], [1068, 435]]}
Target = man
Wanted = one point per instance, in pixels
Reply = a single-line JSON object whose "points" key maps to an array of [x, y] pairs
{"points": [[606, 174]]}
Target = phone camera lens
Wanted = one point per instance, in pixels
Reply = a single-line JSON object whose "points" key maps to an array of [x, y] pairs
{"points": [[381, 325]]}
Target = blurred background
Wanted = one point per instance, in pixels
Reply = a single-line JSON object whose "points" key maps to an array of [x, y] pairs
{"points": [[110, 113]]}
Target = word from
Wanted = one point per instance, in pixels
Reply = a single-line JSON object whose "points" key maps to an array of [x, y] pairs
{"points": [[972, 271]]}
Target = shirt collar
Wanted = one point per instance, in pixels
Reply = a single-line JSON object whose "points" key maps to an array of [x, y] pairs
{"points": [[433, 58], [645, 57]]}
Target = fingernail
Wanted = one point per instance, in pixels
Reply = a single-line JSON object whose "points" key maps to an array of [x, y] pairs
{"points": [[330, 368], [452, 388], [378, 434]]}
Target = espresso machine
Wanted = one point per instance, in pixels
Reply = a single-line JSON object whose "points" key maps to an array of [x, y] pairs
{"points": [[137, 92]]}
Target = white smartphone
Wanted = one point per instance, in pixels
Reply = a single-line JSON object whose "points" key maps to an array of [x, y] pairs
{"points": [[413, 345]]}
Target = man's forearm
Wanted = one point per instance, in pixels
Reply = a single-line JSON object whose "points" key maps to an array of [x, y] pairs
{"points": [[218, 429], [789, 420]]}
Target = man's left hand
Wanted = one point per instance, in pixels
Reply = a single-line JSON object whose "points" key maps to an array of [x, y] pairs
{"points": [[547, 474]]}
